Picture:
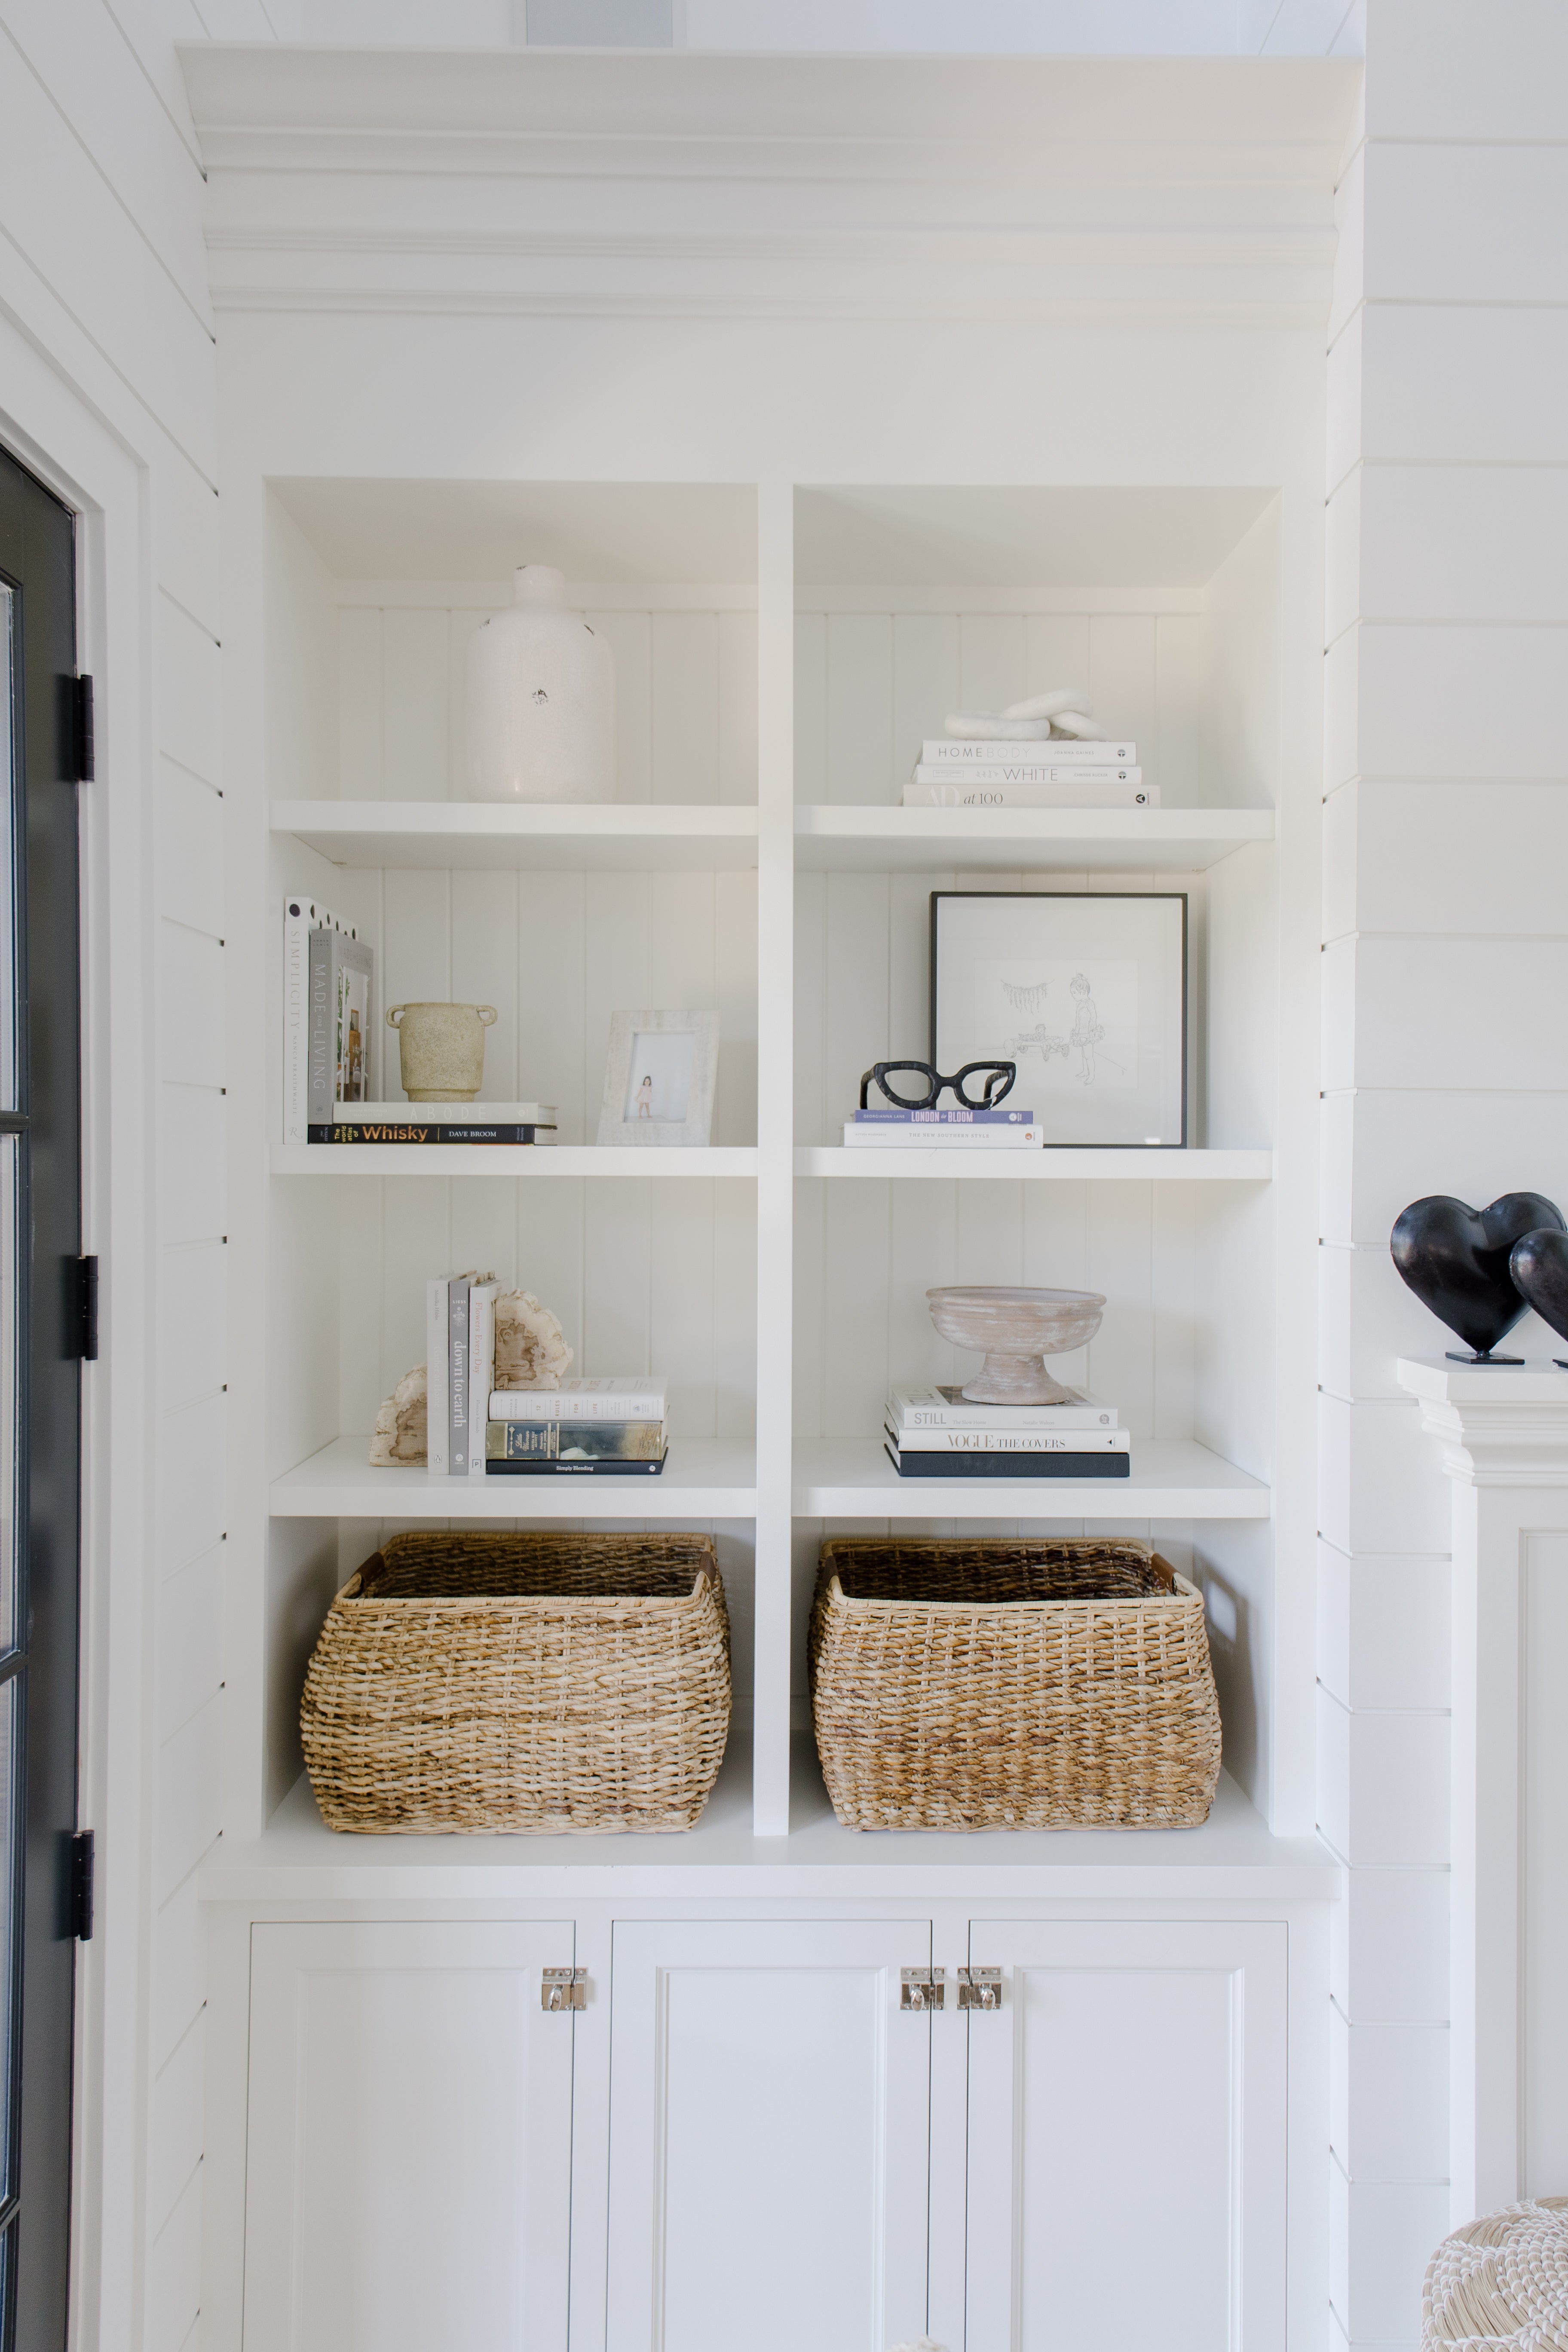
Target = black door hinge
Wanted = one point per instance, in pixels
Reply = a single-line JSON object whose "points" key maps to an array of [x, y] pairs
{"points": [[87, 1309], [81, 1886], [82, 700]]}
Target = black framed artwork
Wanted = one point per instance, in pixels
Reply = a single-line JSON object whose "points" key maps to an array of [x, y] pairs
{"points": [[1085, 990]]}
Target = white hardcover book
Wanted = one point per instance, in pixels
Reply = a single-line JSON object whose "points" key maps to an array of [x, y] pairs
{"points": [[436, 1376], [481, 1369], [952, 752], [1006, 772], [942, 1138], [301, 917], [1031, 796], [631, 1397], [1010, 1440], [947, 1407], [457, 1290], [446, 1114]]}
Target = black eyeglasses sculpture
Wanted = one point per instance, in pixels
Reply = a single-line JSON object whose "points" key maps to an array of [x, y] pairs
{"points": [[998, 1084], [1479, 1269]]}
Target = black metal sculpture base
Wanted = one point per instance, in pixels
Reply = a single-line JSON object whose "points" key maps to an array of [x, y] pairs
{"points": [[1460, 1355]]}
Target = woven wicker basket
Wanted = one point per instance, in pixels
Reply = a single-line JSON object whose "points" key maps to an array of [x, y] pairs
{"points": [[545, 1682], [1011, 1685]]}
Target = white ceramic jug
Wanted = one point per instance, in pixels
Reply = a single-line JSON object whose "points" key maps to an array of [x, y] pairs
{"points": [[542, 699]]}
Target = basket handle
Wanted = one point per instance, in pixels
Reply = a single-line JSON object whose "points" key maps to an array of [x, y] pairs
{"points": [[1163, 1570]]}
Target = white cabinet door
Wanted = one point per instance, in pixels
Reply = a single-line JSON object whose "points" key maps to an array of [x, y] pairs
{"points": [[770, 2110], [409, 2139], [1126, 2166]]}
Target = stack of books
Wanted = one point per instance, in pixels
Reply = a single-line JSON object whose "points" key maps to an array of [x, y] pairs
{"points": [[944, 1131], [446, 1123], [936, 1432], [970, 772], [597, 1429]]}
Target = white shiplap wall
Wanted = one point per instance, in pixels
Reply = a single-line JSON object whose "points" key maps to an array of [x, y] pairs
{"points": [[102, 272], [1446, 728]]}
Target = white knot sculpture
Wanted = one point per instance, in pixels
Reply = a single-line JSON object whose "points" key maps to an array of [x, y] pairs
{"points": [[1063, 711], [1500, 2280]]}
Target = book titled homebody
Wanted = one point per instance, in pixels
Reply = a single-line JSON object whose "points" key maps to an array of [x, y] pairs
{"points": [[1076, 1465], [1000, 750]]}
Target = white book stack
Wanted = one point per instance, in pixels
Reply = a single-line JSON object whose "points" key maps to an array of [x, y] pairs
{"points": [[937, 1433], [977, 773]]}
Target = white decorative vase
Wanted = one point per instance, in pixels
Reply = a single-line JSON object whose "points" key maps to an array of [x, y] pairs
{"points": [[542, 699]]}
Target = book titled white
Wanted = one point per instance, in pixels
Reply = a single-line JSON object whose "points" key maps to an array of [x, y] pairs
{"points": [[630, 1397], [1032, 796], [942, 1139], [1024, 771], [481, 1369], [445, 1114], [949, 1408], [436, 1336], [1011, 1441], [1000, 750]]}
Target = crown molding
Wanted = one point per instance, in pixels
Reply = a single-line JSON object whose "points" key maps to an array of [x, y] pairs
{"points": [[1031, 192]]}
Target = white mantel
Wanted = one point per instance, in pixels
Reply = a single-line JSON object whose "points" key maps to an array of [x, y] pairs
{"points": [[1504, 1436], [1499, 1426]]}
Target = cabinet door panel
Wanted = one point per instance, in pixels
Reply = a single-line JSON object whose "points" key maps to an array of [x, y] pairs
{"points": [[768, 2144], [1127, 2139], [409, 2139]]}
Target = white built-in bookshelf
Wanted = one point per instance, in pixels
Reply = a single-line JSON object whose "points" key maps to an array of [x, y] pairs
{"points": [[780, 655]]}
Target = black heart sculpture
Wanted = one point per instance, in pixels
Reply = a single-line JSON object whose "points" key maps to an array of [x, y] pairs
{"points": [[1456, 1260], [1539, 1265]]}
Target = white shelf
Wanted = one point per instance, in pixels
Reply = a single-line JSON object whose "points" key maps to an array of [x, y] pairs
{"points": [[1104, 840], [1064, 1167], [1232, 1854], [851, 1477], [632, 837], [704, 1478], [511, 1160]]}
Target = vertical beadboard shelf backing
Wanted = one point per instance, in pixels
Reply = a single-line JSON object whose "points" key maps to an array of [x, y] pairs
{"points": [[755, 719]]}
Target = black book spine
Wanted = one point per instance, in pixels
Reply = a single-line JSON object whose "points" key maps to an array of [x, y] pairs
{"points": [[355, 1130], [576, 1469], [1011, 1465]]}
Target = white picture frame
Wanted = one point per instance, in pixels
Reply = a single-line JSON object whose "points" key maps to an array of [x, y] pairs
{"points": [[660, 1074], [1085, 992]]}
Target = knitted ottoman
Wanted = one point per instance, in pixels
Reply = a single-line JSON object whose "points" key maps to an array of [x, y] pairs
{"points": [[1503, 2280]]}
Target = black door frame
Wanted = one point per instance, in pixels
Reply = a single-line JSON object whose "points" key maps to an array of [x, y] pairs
{"points": [[37, 561]]}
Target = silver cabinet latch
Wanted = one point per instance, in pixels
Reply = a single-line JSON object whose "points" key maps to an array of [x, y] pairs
{"points": [[979, 1988], [563, 1989], [921, 1988]]}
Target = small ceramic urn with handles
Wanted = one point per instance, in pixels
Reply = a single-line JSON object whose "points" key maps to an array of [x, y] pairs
{"points": [[441, 1049], [542, 699]]}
